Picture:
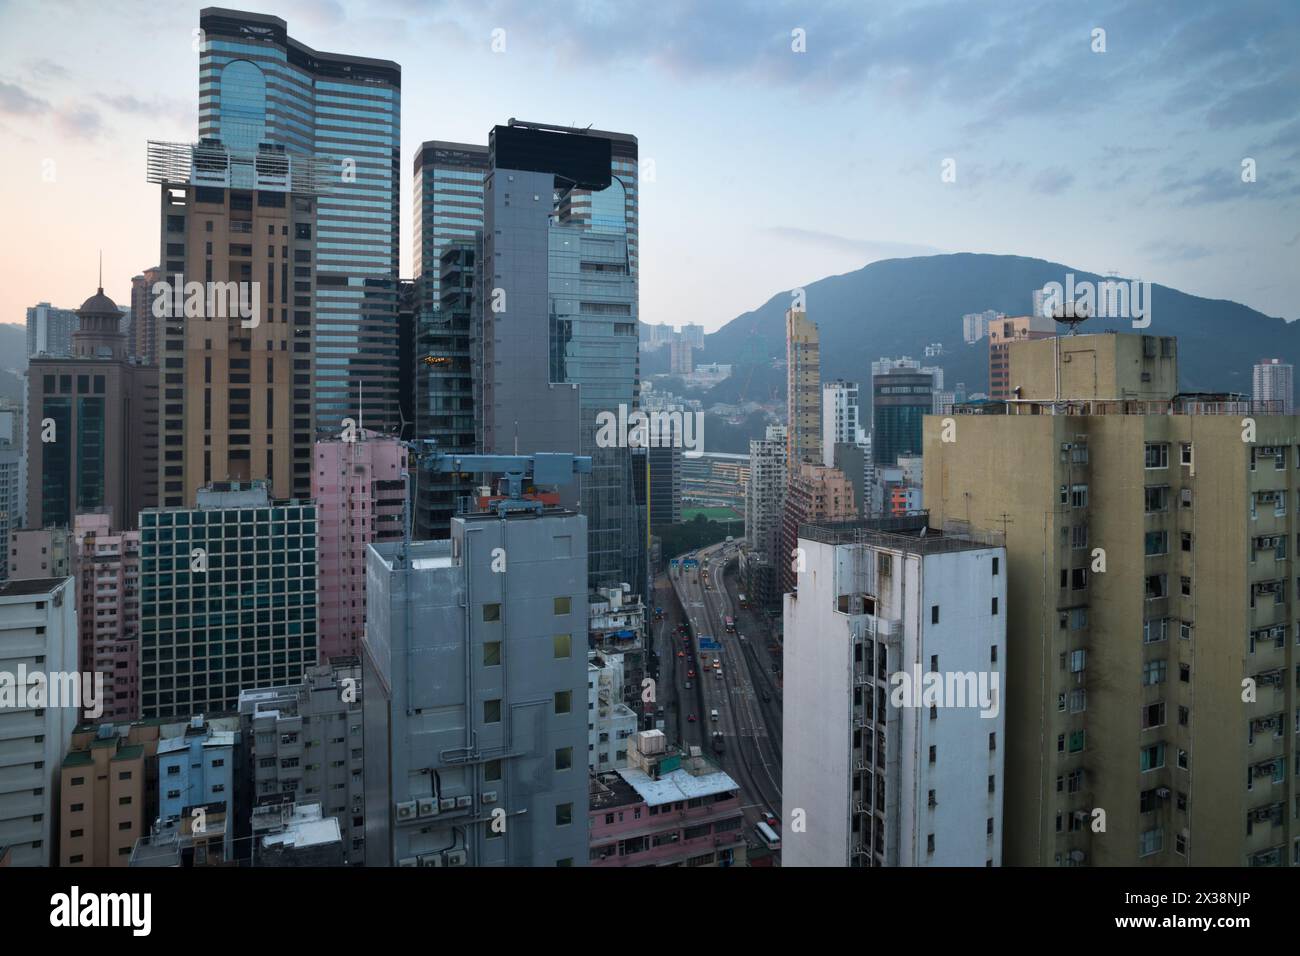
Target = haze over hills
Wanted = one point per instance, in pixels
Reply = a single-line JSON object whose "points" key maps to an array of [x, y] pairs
{"points": [[897, 307]]}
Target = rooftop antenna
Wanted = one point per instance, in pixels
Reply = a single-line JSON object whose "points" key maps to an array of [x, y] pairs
{"points": [[101, 270]]}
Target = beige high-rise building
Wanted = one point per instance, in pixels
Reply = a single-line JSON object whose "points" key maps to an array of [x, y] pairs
{"points": [[107, 789], [1151, 614], [235, 325], [803, 391]]}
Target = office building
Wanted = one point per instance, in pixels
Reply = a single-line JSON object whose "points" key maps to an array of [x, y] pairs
{"points": [[1001, 334], [666, 808], [555, 343], [814, 494], [228, 598], [92, 426], [1155, 688], [887, 775], [1274, 381], [106, 565], [839, 417], [475, 679], [49, 331], [901, 398], [444, 385], [360, 487], [260, 92], [447, 190], [38, 634], [803, 391], [666, 487], [304, 744], [144, 324]]}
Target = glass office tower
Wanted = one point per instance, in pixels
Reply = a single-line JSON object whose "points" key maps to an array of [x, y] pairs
{"points": [[258, 86], [556, 324]]}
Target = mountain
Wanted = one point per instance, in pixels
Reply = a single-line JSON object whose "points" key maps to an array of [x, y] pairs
{"points": [[899, 306]]}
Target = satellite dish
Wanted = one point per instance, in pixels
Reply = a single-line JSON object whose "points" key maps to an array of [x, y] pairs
{"points": [[1071, 315]]}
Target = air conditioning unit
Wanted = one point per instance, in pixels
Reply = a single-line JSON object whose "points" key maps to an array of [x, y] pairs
{"points": [[427, 806], [431, 859], [447, 803], [456, 857], [1078, 856], [408, 861], [465, 801], [406, 811], [489, 796]]}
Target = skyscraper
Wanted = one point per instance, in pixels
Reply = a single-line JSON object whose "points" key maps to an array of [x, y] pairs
{"points": [[1274, 381], [803, 391], [555, 344], [447, 186], [259, 88], [92, 426]]}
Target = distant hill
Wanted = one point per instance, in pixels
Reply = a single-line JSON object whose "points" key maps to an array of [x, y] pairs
{"points": [[899, 306]]}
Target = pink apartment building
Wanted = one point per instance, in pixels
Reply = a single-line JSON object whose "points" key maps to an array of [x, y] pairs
{"points": [[665, 809], [107, 567], [360, 489]]}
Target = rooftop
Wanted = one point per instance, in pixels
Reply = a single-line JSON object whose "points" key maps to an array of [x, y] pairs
{"points": [[1185, 403], [29, 586], [677, 785], [911, 534]]}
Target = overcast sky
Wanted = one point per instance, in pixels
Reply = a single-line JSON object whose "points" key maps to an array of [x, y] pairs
{"points": [[772, 168]]}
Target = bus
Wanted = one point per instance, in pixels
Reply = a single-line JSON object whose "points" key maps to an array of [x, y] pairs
{"points": [[729, 624], [767, 835]]}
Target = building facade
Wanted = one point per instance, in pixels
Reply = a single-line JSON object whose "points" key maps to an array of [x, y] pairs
{"points": [[261, 89], [1274, 381], [839, 418], [1001, 334], [901, 398], [92, 426], [360, 488], [49, 331], [228, 599], [478, 708], [106, 565], [814, 494], [1150, 610], [38, 635], [889, 775], [144, 324], [803, 391]]}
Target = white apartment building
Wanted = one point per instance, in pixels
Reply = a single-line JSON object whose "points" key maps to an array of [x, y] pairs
{"points": [[839, 418], [609, 721], [887, 770], [38, 635], [766, 492]]}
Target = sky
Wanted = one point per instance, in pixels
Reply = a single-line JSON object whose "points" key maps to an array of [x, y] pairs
{"points": [[780, 142]]}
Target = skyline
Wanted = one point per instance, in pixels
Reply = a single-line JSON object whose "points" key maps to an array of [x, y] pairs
{"points": [[1163, 120]]}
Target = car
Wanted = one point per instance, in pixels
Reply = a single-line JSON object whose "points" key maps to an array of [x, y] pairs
{"points": [[690, 718], [770, 820], [688, 685], [681, 653], [718, 674], [690, 673]]}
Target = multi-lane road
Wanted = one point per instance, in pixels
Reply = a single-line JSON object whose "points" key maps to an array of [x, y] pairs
{"points": [[746, 695]]}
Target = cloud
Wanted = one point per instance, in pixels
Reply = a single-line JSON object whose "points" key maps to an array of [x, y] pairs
{"points": [[79, 121], [1224, 184], [15, 101], [1174, 250], [1053, 181], [869, 249]]}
